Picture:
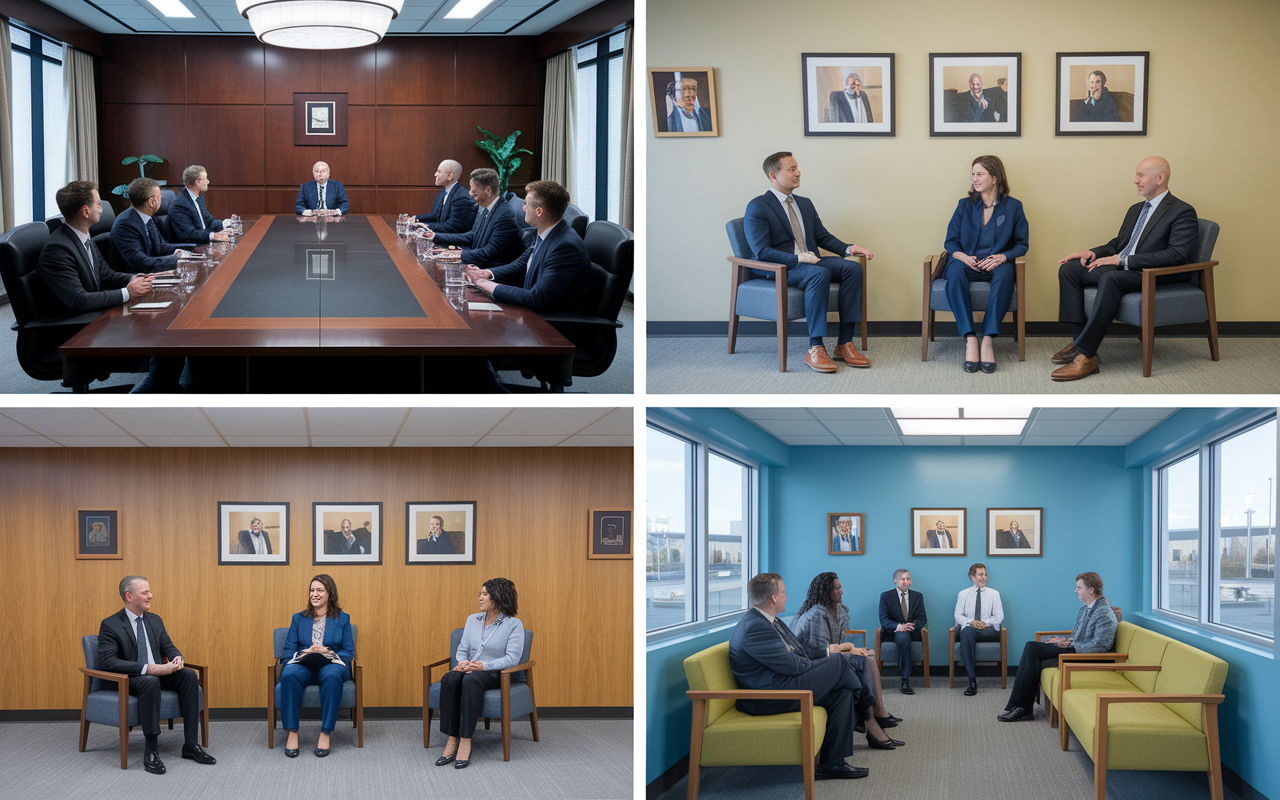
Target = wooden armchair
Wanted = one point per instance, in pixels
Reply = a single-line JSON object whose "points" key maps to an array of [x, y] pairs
{"points": [[984, 652], [935, 299], [892, 654], [352, 690]]}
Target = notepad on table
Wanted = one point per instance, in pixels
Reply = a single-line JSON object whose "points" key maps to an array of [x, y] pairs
{"points": [[484, 307], [151, 306]]}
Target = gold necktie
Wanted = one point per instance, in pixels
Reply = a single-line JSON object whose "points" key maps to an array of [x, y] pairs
{"points": [[795, 227]]}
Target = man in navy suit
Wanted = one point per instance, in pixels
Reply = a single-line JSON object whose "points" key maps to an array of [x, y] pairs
{"points": [[494, 239], [1160, 232], [135, 236], [765, 654], [688, 115], [785, 229], [850, 105], [133, 641], [189, 219], [321, 196], [454, 210], [902, 618]]}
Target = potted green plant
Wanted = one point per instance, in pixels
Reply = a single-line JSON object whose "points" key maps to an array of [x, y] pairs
{"points": [[142, 162], [504, 154]]}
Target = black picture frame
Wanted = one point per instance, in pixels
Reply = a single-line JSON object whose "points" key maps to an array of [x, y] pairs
{"points": [[232, 515], [307, 132], [326, 532], [1125, 90], [98, 535], [824, 75], [458, 518], [611, 534], [1002, 112]]}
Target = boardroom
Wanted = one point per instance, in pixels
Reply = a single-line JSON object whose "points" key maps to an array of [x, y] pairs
{"points": [[279, 161]]}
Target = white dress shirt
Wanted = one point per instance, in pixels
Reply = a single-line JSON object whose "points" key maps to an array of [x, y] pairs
{"points": [[195, 201], [144, 647], [259, 543], [855, 103], [992, 610]]}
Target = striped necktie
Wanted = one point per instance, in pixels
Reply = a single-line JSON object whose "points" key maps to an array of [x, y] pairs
{"points": [[1137, 229]]}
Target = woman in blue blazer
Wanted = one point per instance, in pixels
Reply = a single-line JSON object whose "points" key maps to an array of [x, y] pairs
{"points": [[987, 232], [320, 648]]}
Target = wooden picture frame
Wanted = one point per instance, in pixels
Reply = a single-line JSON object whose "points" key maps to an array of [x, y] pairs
{"points": [[998, 109], [98, 535], [1003, 541], [825, 76], [329, 541], [925, 529], [665, 94], [236, 534], [611, 533], [855, 535], [319, 119], [455, 537], [1120, 83]]}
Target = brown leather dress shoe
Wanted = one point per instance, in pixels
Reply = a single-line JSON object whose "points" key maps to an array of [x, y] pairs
{"points": [[849, 354], [818, 360], [1079, 368], [1066, 355]]}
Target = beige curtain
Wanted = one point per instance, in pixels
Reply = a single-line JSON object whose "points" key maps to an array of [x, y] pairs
{"points": [[559, 119], [82, 115], [628, 138], [6, 126]]}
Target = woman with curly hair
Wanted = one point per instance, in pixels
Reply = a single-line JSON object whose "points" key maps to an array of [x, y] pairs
{"points": [[820, 626], [491, 641]]}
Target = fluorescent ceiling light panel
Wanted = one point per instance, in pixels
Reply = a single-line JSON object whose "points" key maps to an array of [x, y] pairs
{"points": [[997, 413], [171, 8], [926, 413], [962, 427], [467, 9]]}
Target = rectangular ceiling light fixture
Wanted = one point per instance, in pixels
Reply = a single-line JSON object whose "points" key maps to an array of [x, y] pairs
{"points": [[961, 421], [925, 413], [171, 8], [467, 9]]}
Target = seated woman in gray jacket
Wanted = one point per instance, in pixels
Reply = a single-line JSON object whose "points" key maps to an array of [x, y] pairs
{"points": [[491, 641], [820, 625], [1094, 632]]}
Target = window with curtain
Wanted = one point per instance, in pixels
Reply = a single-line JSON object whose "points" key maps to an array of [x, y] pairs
{"points": [[39, 124], [1216, 534], [599, 136]]}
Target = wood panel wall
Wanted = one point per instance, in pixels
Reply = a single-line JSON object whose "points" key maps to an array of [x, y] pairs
{"points": [[226, 103], [531, 527]]}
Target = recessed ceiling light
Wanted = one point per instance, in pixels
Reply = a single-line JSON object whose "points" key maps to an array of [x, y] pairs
{"points": [[962, 427], [925, 413], [171, 8], [467, 9]]}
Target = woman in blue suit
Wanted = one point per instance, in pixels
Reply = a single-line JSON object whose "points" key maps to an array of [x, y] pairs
{"points": [[987, 232], [321, 648]]}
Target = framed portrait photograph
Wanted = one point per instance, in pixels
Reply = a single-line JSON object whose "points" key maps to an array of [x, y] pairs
{"points": [[98, 534], [1102, 94], [346, 533], [683, 101], [848, 94], [610, 533], [438, 532], [845, 534], [1015, 531], [975, 94], [253, 533], [320, 119], [938, 532]]}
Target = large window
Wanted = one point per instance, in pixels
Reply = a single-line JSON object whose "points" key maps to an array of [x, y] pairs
{"points": [[1216, 534], [39, 124], [598, 168], [700, 513]]}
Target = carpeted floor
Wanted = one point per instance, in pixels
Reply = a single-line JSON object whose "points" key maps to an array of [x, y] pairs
{"points": [[1180, 366], [574, 759], [956, 748]]}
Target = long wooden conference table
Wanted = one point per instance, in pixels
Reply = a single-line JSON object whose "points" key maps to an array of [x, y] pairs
{"points": [[304, 286]]}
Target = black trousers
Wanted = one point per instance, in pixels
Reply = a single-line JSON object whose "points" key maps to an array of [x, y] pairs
{"points": [[836, 688], [461, 698], [1027, 682], [1113, 283], [902, 640], [147, 689], [969, 637]]}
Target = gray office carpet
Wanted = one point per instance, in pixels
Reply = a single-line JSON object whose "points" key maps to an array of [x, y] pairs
{"points": [[618, 379], [575, 759], [1180, 366], [956, 748]]}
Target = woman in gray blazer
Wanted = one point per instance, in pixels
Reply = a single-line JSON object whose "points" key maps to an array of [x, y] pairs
{"points": [[491, 641], [820, 626]]}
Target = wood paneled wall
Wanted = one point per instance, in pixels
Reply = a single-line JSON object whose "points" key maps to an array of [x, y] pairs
{"points": [[226, 103], [531, 528]]}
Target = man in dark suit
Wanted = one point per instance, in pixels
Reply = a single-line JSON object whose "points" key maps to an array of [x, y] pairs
{"points": [[494, 239], [189, 219], [454, 210], [346, 542], [321, 196], [765, 654], [850, 105], [133, 641], [785, 229], [687, 114], [977, 106], [71, 265], [1014, 537], [902, 618], [941, 537], [1160, 232], [134, 234], [437, 541], [1098, 104], [254, 541]]}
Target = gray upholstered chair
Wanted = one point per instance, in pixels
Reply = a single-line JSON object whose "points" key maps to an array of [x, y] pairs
{"points": [[984, 652], [113, 705], [352, 690], [888, 652], [513, 697], [1173, 303], [935, 299], [753, 296]]}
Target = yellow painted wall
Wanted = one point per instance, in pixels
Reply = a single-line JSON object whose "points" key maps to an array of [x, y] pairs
{"points": [[1216, 125]]}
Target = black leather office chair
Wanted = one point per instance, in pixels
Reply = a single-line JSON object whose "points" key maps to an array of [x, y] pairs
{"points": [[104, 223], [162, 216], [577, 220], [527, 231]]}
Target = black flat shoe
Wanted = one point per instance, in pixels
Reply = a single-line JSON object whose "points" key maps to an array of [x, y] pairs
{"points": [[906, 688], [1016, 714], [461, 763], [972, 690], [197, 754], [321, 752], [971, 366], [988, 367], [291, 753], [894, 741], [442, 760], [151, 763], [876, 744], [838, 770], [888, 722]]}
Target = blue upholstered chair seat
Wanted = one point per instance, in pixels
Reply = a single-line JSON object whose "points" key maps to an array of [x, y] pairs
{"points": [[935, 299], [979, 295], [103, 707], [889, 652], [351, 695], [1176, 304], [756, 299], [521, 701], [984, 651], [311, 696]]}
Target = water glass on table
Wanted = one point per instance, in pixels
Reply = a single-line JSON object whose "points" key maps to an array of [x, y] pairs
{"points": [[455, 286]]}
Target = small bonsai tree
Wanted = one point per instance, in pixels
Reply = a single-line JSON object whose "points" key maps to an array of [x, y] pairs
{"points": [[142, 162], [504, 154]]}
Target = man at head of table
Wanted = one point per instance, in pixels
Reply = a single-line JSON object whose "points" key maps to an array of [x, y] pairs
{"points": [[322, 195]]}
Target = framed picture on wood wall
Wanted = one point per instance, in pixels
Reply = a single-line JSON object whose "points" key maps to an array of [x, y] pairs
{"points": [[98, 534], [253, 533], [320, 119], [438, 532], [347, 533], [610, 533]]}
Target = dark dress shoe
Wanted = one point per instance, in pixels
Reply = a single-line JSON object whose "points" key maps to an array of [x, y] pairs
{"points": [[972, 690], [839, 769], [906, 688], [988, 366], [461, 763], [1016, 713], [876, 744], [151, 763], [971, 366], [321, 752], [888, 722], [1080, 367], [442, 760], [1066, 355], [291, 753], [197, 754]]}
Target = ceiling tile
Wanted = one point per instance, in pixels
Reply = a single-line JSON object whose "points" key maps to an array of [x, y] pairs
{"points": [[182, 441], [992, 441], [26, 441], [875, 441], [246, 422], [65, 421], [793, 427], [97, 441], [492, 25], [1050, 441], [1142, 413], [861, 427], [267, 441], [1061, 427], [1073, 413], [351, 441], [774, 413], [452, 421], [851, 413], [1133, 428], [520, 441], [801, 440], [583, 440], [355, 421], [619, 422], [1107, 441], [548, 421], [9, 427], [435, 441], [161, 421]]}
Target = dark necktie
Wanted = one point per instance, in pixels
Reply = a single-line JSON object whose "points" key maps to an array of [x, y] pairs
{"points": [[322, 205], [93, 268], [153, 239], [143, 654], [903, 595], [977, 605], [788, 638], [533, 260], [480, 221]]}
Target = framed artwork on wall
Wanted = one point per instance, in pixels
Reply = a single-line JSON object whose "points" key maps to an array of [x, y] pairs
{"points": [[845, 535], [253, 533], [975, 94], [1015, 531], [1102, 94], [98, 535], [683, 101], [610, 533], [848, 94], [320, 119], [938, 532], [346, 533], [438, 532]]}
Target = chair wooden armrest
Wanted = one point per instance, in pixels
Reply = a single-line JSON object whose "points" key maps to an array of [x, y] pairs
{"points": [[1069, 669], [106, 676], [1159, 271], [855, 632], [1143, 697], [427, 668], [763, 266], [518, 668], [1064, 657], [1039, 634], [933, 269]]}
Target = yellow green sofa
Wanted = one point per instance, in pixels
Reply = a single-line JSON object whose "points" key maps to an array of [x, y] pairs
{"points": [[723, 736]]}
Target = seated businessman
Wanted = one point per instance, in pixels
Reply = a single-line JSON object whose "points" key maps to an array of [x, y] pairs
{"points": [[321, 196], [784, 228], [1160, 232], [494, 239], [189, 219], [979, 616], [454, 211], [902, 618], [765, 654], [133, 641], [134, 234]]}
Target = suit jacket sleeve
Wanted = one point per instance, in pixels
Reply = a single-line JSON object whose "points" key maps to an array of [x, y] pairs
{"points": [[917, 613], [1184, 230], [457, 239], [560, 267], [461, 212], [757, 224], [814, 632], [1021, 232], [764, 645], [111, 649], [164, 645], [292, 643], [128, 235], [340, 202], [953, 244], [183, 223], [502, 233], [348, 648], [1114, 246], [825, 239], [300, 204], [60, 270], [886, 621]]}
